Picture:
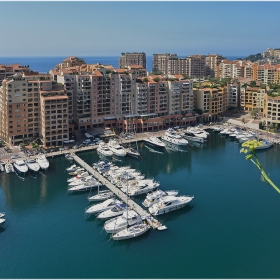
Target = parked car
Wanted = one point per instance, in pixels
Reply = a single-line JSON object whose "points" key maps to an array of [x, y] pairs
{"points": [[15, 156], [87, 141]]}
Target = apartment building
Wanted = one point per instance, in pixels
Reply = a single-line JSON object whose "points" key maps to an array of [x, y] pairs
{"points": [[233, 95], [254, 98], [22, 107], [133, 58], [272, 110], [197, 66], [212, 62], [160, 62], [211, 101], [7, 71], [71, 61], [264, 73]]}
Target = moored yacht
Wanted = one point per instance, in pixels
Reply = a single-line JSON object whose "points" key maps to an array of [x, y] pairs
{"points": [[2, 221], [20, 166], [72, 168], [117, 210], [102, 195], [9, 168], [43, 162], [85, 186], [154, 197], [100, 207], [265, 145], [131, 232], [87, 179], [172, 137], [79, 176], [169, 203], [32, 165], [116, 148], [141, 187], [104, 150], [154, 141], [128, 218]]}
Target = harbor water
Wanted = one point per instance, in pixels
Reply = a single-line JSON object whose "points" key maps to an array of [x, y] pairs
{"points": [[231, 228]]}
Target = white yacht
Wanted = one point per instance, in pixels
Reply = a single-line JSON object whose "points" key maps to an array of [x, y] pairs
{"points": [[116, 148], [78, 171], [169, 203], [104, 150], [131, 232], [103, 206], [79, 176], [84, 187], [43, 162], [2, 215], [117, 210], [190, 136], [72, 168], [132, 152], [172, 137], [198, 132], [154, 197], [9, 168], [20, 166], [141, 187], [265, 145], [32, 165], [128, 218], [154, 141], [102, 195], [2, 167], [2, 221], [87, 179]]}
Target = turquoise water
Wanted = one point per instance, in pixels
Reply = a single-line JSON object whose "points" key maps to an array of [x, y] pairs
{"points": [[230, 230]]}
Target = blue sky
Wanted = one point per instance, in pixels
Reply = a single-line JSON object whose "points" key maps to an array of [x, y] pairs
{"points": [[109, 28]]}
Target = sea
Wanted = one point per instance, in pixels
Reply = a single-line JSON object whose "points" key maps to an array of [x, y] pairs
{"points": [[230, 229], [43, 64]]}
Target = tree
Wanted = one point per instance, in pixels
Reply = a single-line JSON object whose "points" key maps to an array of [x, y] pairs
{"points": [[253, 83], [254, 112]]}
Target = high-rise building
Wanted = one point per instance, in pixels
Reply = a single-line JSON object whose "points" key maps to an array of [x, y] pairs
{"points": [[134, 58]]}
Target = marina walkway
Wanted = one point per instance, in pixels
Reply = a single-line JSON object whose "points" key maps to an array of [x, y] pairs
{"points": [[131, 204]]}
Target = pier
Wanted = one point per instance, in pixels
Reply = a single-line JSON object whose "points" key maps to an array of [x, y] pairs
{"points": [[130, 203]]}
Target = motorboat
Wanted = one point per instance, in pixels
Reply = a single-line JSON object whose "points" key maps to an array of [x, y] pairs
{"points": [[265, 145], [190, 136], [2, 167], [84, 187], [103, 206], [43, 162], [141, 187], [87, 179], [169, 203], [2, 221], [2, 215], [102, 195], [198, 132], [32, 165], [72, 168], [9, 168], [132, 152], [154, 197], [79, 176], [128, 218], [69, 157], [116, 148], [117, 210], [174, 138], [104, 150], [78, 171], [131, 232], [20, 166], [154, 141]]}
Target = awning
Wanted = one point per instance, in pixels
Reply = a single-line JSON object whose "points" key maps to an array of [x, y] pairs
{"points": [[110, 118]]}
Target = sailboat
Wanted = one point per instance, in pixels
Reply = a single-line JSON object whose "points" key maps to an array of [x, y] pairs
{"points": [[132, 231], [130, 151], [101, 195]]}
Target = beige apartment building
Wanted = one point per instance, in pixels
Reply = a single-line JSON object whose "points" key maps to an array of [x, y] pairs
{"points": [[211, 101], [133, 58], [212, 62], [7, 71], [272, 110], [22, 110]]}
